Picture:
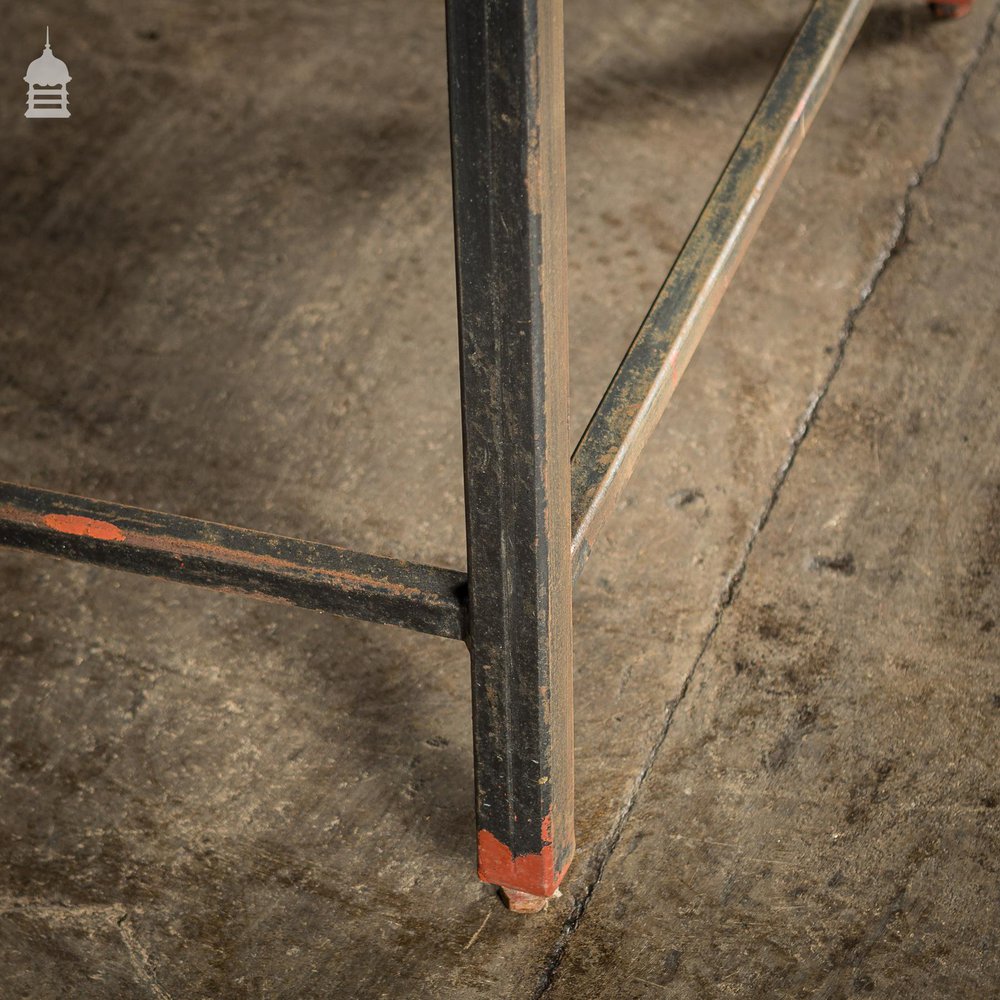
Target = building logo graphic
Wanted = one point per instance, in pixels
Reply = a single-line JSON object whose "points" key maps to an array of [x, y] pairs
{"points": [[47, 81]]}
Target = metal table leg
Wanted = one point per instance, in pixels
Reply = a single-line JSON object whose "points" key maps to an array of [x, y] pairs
{"points": [[528, 532], [508, 162]]}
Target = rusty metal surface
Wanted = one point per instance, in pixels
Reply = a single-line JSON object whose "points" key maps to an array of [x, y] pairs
{"points": [[271, 567], [508, 164], [645, 380]]}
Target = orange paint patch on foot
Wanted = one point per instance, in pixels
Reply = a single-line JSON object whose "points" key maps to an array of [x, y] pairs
{"points": [[529, 873], [72, 524]]}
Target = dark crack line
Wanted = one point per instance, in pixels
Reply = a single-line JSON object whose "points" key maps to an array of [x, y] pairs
{"points": [[895, 245]]}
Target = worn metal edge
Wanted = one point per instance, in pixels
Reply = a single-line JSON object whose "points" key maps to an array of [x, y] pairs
{"points": [[636, 397], [238, 560]]}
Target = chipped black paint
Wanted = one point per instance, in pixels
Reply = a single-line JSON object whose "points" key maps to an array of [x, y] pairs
{"points": [[505, 72], [641, 388], [271, 567]]}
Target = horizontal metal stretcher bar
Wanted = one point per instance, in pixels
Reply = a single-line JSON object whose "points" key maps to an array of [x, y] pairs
{"points": [[236, 560], [638, 394]]}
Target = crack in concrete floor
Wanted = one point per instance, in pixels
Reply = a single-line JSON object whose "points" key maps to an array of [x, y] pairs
{"points": [[731, 587]]}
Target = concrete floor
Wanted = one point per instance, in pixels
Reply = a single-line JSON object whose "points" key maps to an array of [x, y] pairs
{"points": [[228, 292]]}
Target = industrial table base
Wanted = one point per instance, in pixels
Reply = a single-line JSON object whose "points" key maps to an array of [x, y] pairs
{"points": [[532, 513]]}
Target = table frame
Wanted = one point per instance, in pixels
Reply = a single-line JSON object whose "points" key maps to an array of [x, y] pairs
{"points": [[533, 511]]}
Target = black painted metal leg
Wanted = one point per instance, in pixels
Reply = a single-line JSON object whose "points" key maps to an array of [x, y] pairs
{"points": [[508, 162]]}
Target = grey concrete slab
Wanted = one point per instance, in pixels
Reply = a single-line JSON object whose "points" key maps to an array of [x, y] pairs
{"points": [[228, 292], [822, 818], [82, 952]]}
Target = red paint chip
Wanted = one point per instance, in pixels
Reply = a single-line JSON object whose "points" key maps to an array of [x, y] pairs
{"points": [[72, 524], [531, 873]]}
